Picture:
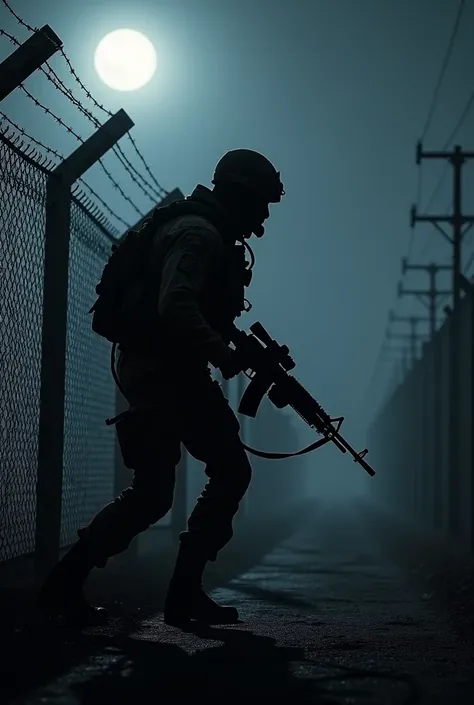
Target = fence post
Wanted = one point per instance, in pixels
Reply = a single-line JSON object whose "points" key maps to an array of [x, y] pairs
{"points": [[54, 333], [27, 58]]}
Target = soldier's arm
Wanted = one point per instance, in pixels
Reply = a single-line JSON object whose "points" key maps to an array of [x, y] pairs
{"points": [[184, 273]]}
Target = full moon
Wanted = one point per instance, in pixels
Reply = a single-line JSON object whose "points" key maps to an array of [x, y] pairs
{"points": [[125, 60]]}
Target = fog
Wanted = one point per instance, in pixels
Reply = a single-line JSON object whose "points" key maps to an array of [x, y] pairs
{"points": [[336, 94]]}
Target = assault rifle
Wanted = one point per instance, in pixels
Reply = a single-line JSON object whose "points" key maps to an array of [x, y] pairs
{"points": [[269, 364]]}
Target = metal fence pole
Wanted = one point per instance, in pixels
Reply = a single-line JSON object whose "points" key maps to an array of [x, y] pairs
{"points": [[54, 332], [27, 58]]}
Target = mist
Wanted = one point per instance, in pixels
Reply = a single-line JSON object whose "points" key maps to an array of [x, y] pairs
{"points": [[335, 94]]}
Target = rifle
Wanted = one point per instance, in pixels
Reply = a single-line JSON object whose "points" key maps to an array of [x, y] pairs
{"points": [[269, 364]]}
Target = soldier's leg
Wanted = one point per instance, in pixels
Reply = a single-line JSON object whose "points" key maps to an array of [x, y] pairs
{"points": [[210, 432], [151, 449], [145, 502], [214, 438], [153, 457]]}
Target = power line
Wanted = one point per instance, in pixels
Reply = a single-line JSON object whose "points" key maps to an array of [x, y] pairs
{"points": [[437, 187], [431, 111], [448, 142], [459, 123], [434, 103], [456, 128], [446, 146], [444, 66]]}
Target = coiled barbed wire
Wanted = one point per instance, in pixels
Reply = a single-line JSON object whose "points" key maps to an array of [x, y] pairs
{"points": [[118, 151], [162, 191], [58, 155]]}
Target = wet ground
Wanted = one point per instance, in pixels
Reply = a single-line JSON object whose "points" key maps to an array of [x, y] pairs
{"points": [[327, 617]]}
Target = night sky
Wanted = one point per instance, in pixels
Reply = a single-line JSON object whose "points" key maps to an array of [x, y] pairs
{"points": [[335, 93]]}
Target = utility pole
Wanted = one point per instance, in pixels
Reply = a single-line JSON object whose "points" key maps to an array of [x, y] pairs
{"points": [[413, 336], [457, 220], [432, 293]]}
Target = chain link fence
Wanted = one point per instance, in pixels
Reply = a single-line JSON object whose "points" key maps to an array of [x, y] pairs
{"points": [[89, 446], [22, 227]]}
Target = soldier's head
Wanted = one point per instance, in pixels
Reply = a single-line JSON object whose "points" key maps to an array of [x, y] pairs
{"points": [[246, 182]]}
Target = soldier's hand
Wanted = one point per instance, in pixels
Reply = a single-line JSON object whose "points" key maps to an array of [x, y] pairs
{"points": [[231, 366]]}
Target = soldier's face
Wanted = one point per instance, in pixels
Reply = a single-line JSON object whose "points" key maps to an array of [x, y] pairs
{"points": [[258, 212]]}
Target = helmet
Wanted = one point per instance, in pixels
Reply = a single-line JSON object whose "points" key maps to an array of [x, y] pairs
{"points": [[252, 170]]}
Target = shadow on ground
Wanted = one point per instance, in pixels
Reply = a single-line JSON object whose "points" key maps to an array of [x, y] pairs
{"points": [[131, 592], [236, 666]]}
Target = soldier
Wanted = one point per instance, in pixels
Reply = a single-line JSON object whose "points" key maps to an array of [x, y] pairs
{"points": [[198, 274]]}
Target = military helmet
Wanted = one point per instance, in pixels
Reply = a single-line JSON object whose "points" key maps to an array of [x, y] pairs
{"points": [[252, 170]]}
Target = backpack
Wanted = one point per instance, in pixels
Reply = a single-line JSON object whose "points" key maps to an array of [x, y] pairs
{"points": [[125, 312], [122, 311]]}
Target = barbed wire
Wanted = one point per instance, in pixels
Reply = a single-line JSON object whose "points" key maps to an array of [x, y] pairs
{"points": [[60, 157], [119, 153], [162, 192], [60, 86], [116, 149], [61, 122]]}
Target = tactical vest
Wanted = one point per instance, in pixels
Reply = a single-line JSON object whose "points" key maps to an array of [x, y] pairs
{"points": [[223, 299], [130, 319]]}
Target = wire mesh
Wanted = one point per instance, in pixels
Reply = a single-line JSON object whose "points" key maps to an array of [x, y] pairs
{"points": [[89, 446], [22, 227]]}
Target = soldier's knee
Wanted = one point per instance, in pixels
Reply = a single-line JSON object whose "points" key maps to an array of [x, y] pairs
{"points": [[238, 474], [147, 506]]}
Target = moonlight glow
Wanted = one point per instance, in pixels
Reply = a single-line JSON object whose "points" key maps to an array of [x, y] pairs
{"points": [[125, 60]]}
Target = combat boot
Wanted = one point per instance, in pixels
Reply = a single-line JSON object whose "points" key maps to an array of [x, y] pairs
{"points": [[186, 599], [61, 597]]}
